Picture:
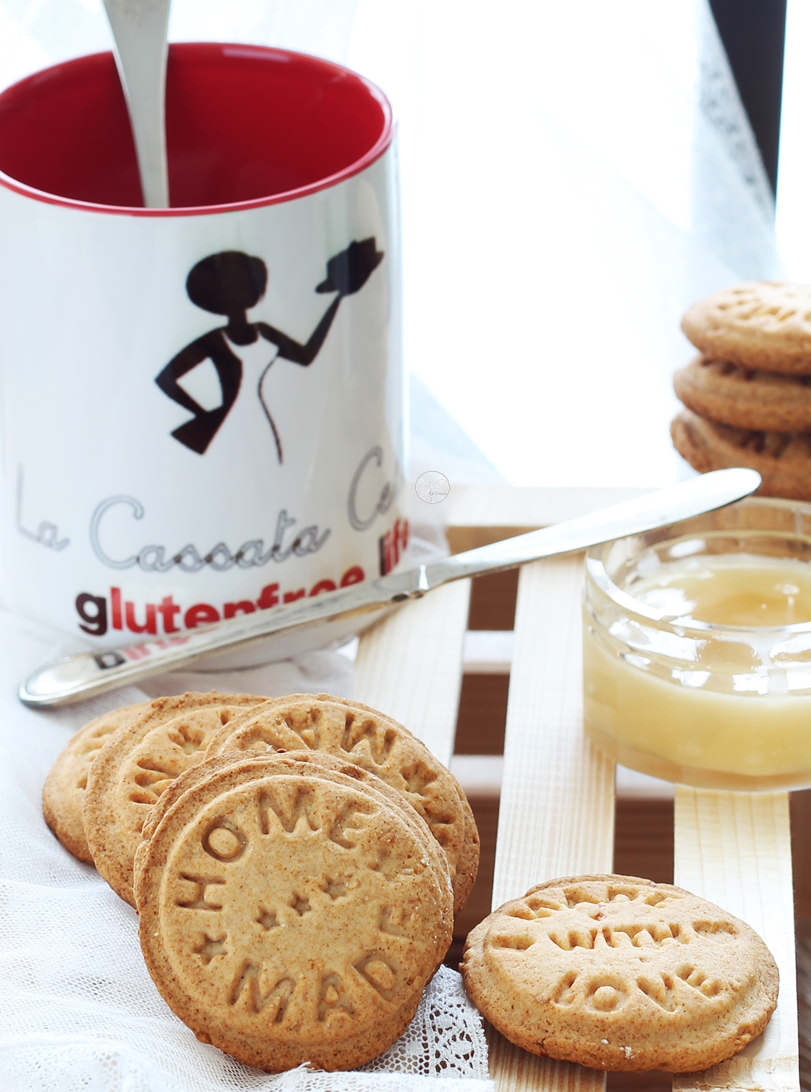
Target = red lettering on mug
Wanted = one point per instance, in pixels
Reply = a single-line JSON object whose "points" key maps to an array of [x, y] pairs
{"points": [[200, 615], [322, 586]]}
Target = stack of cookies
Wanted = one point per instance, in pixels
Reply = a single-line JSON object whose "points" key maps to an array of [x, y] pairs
{"points": [[295, 864], [748, 394]]}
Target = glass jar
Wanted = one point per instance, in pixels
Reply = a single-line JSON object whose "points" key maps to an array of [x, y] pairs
{"points": [[692, 672]]}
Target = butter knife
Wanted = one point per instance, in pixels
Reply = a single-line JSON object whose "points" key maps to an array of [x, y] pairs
{"points": [[285, 628]]}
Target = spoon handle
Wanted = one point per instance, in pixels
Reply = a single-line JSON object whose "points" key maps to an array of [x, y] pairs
{"points": [[139, 29]]}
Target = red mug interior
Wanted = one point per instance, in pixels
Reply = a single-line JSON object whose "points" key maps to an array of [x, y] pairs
{"points": [[245, 125]]}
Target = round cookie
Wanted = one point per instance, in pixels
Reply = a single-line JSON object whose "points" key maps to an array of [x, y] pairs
{"points": [[621, 973], [64, 788], [761, 325], [209, 767], [233, 766], [292, 918], [369, 739], [732, 395], [136, 764], [783, 459]]}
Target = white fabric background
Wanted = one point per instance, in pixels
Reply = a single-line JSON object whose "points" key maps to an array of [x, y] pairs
{"points": [[574, 175]]}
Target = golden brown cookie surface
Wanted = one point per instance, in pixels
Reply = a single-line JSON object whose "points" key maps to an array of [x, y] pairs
{"points": [[64, 788], [136, 764], [233, 766], [783, 459], [620, 973], [744, 398], [292, 918], [760, 324], [375, 742]]}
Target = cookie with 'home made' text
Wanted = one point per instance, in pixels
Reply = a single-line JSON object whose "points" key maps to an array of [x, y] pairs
{"points": [[233, 766], [292, 917], [370, 739], [621, 973]]}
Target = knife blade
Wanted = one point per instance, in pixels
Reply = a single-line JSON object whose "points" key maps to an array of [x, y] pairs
{"points": [[85, 674]]}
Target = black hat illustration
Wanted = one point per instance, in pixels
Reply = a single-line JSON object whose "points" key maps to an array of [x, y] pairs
{"points": [[348, 271]]}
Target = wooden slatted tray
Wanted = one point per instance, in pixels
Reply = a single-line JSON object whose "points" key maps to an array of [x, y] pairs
{"points": [[554, 794]]}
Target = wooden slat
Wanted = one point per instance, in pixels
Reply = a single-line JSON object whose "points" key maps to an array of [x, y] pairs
{"points": [[557, 807], [557, 801], [410, 665], [735, 849]]}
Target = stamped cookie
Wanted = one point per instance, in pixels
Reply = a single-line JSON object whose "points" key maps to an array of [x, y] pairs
{"points": [[234, 766], [63, 791], [136, 764], [783, 459], [737, 396], [293, 918], [621, 973], [761, 324], [377, 743], [209, 767]]}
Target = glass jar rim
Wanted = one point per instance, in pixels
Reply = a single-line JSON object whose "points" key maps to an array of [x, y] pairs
{"points": [[597, 574]]}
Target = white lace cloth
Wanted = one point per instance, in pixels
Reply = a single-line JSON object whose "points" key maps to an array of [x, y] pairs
{"points": [[78, 1010]]}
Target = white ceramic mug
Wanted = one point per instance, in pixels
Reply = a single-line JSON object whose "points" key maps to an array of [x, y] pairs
{"points": [[202, 407]]}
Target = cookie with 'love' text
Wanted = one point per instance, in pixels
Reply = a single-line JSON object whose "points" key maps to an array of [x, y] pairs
{"points": [[621, 973]]}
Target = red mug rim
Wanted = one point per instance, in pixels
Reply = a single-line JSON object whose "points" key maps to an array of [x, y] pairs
{"points": [[333, 74]]}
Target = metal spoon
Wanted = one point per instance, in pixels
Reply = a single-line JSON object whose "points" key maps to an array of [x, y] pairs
{"points": [[288, 629], [139, 30]]}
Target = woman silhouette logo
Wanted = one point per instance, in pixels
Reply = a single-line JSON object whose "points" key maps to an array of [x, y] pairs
{"points": [[229, 284]]}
